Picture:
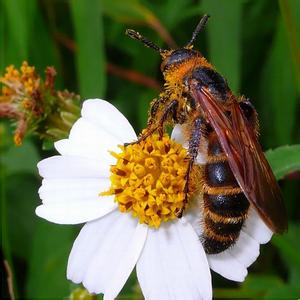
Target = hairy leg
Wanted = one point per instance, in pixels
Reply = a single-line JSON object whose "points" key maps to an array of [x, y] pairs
{"points": [[168, 111], [198, 130], [154, 109]]}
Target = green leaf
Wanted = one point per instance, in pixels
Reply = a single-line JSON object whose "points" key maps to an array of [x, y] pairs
{"points": [[278, 92], [21, 159], [289, 248], [255, 287], [44, 51], [284, 160], [289, 245], [2, 38], [224, 38], [284, 292], [290, 10], [20, 212], [90, 58], [131, 11], [19, 16], [48, 261], [172, 14]]}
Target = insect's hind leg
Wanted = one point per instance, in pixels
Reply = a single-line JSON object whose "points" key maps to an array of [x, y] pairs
{"points": [[168, 111], [198, 130]]}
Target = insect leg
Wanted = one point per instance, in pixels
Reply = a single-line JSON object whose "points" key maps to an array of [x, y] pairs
{"points": [[171, 107], [154, 109], [170, 110], [199, 127]]}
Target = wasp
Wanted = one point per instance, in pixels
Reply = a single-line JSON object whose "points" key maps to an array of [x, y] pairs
{"points": [[225, 128]]}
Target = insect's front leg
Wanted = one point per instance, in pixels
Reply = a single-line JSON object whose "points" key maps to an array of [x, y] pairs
{"points": [[154, 109], [169, 112], [199, 128], [159, 125]]}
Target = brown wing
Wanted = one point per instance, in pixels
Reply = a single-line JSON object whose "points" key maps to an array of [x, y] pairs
{"points": [[245, 157]]}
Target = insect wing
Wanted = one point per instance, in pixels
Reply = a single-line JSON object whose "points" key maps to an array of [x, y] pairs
{"points": [[245, 157]]}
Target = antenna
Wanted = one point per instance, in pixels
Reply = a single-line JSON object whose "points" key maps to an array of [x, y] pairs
{"points": [[137, 36], [199, 27]]}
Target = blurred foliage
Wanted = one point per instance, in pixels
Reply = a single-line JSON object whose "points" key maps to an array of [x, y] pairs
{"points": [[254, 44]]}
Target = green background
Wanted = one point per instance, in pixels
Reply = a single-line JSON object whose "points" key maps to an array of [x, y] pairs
{"points": [[254, 44]]}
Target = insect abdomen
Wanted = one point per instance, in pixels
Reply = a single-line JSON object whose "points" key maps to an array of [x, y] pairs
{"points": [[225, 205]]}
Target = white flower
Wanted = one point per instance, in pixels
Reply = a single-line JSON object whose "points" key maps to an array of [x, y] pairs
{"points": [[170, 260]]}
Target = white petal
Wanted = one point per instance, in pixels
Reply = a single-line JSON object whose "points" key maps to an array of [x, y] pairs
{"points": [[75, 212], [72, 167], [99, 154], [91, 237], [227, 266], [256, 228], [54, 190], [108, 117], [128, 262], [84, 130], [103, 248], [87, 140], [178, 136], [173, 264], [245, 250], [194, 214]]}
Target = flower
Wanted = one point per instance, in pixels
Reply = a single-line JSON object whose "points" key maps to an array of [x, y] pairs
{"points": [[34, 105], [82, 184]]}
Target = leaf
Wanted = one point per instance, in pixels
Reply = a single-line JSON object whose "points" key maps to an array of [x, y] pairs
{"points": [[172, 14], [285, 292], [224, 38], [131, 289], [90, 58], [284, 160], [21, 220], [131, 11], [43, 49], [278, 92], [48, 261], [289, 245], [2, 38], [255, 286], [289, 248], [21, 159], [19, 16], [290, 10]]}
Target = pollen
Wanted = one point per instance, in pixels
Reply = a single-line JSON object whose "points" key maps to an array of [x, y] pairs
{"points": [[23, 81], [148, 179]]}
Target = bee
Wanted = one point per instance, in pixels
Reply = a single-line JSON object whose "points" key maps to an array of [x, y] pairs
{"points": [[224, 127]]}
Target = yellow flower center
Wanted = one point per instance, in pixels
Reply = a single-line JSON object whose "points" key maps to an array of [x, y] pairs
{"points": [[148, 179]]}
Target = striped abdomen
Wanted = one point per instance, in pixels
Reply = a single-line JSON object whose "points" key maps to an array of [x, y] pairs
{"points": [[225, 205]]}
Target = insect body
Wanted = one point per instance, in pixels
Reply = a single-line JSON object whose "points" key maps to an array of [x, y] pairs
{"points": [[224, 203], [224, 128]]}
